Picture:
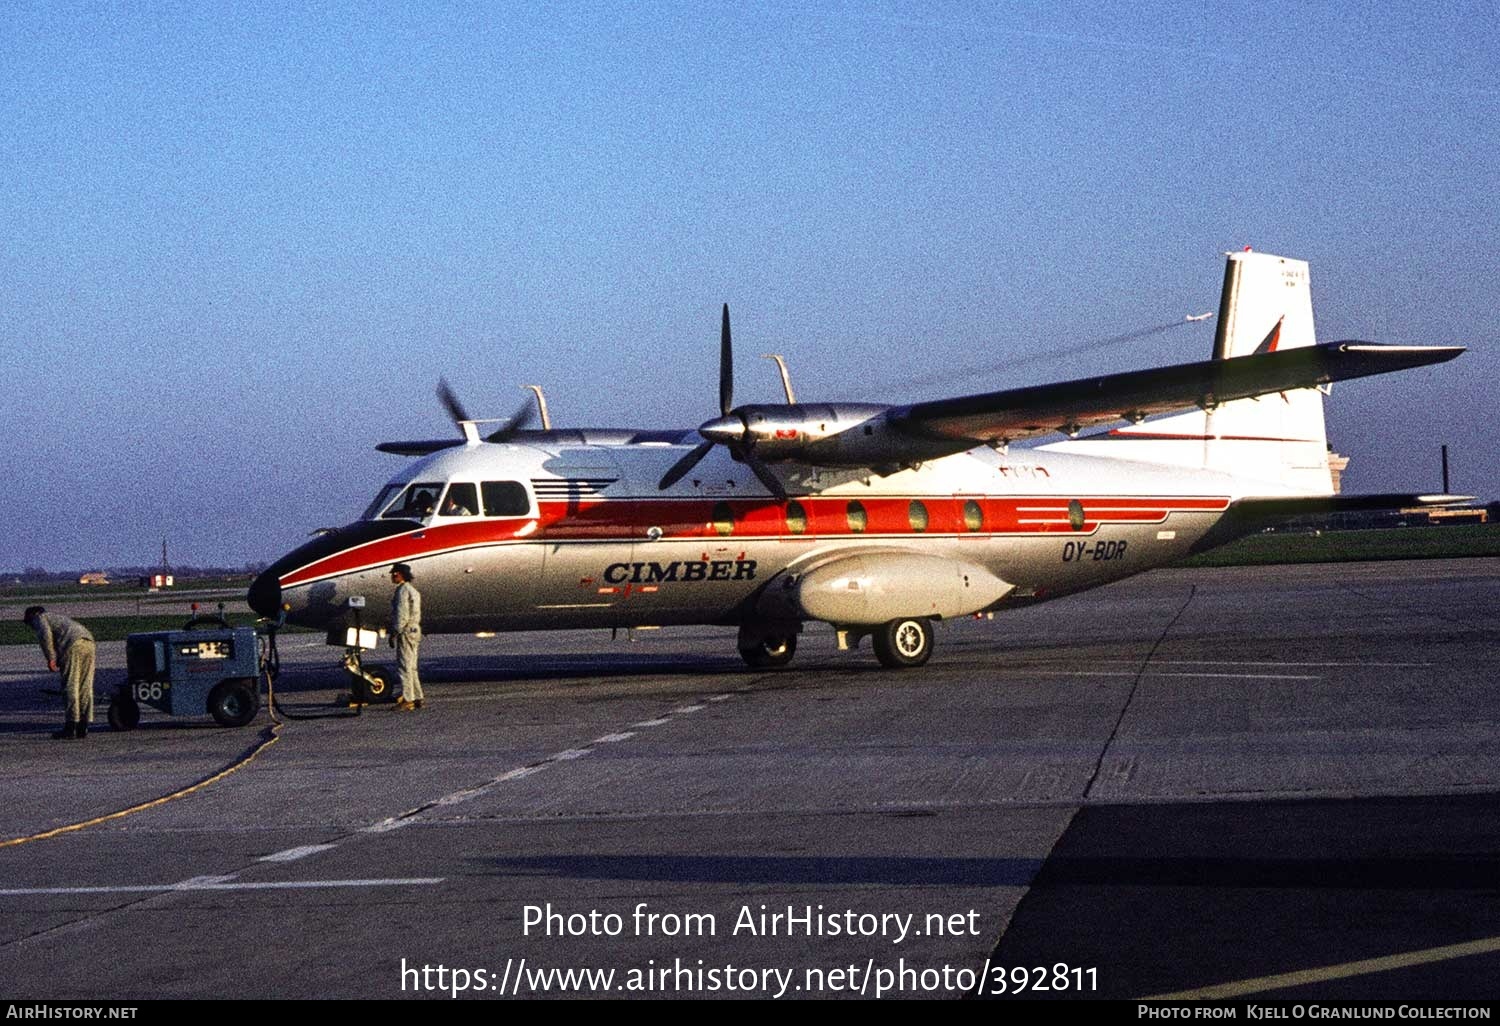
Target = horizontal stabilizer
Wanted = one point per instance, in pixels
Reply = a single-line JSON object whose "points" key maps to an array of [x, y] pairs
{"points": [[419, 448], [1071, 406], [1276, 507], [559, 436]]}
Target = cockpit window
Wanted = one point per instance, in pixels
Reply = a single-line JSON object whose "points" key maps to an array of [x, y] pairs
{"points": [[505, 499], [382, 500], [416, 503], [460, 501]]}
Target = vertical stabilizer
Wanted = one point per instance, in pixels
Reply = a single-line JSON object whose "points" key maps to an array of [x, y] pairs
{"points": [[1278, 440], [1266, 305]]}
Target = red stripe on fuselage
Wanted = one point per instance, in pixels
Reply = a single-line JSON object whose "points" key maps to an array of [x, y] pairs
{"points": [[400, 548], [626, 520]]}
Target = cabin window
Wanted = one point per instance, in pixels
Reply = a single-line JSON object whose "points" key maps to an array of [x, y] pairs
{"points": [[916, 515], [723, 521], [1075, 514], [796, 518], [973, 516], [858, 519], [416, 503], [461, 501], [505, 499]]}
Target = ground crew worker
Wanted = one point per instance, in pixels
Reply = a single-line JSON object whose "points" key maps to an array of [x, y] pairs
{"points": [[69, 648], [406, 636]]}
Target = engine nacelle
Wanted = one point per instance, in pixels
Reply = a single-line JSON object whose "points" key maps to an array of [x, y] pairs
{"points": [[877, 587], [832, 435]]}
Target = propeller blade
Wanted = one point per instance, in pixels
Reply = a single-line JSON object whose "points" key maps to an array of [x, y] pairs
{"points": [[456, 411], [516, 422], [726, 368], [683, 465], [770, 480]]}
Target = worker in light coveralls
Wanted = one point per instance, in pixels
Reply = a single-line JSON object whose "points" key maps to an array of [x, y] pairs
{"points": [[69, 649], [406, 636]]}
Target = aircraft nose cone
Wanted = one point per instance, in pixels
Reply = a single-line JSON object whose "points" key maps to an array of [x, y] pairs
{"points": [[265, 595], [723, 429]]}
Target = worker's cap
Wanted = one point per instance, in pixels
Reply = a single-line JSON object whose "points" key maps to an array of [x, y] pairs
{"points": [[404, 569], [32, 612]]}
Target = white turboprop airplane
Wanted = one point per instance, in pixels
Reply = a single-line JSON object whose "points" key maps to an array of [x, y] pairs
{"points": [[876, 519]]}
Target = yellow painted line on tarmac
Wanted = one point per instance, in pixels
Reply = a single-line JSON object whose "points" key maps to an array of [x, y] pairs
{"points": [[1302, 977], [268, 737]]}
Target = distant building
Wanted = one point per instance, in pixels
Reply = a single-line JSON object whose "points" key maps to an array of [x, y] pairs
{"points": [[1336, 467], [156, 582], [1457, 515], [96, 577]]}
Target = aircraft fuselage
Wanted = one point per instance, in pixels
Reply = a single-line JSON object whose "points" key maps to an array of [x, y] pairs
{"points": [[598, 545]]}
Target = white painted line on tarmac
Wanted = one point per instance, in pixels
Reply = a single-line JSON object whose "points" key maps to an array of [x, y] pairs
{"points": [[1150, 673], [385, 826], [199, 884], [1240, 676], [198, 881], [293, 854], [1255, 662], [470, 793]]}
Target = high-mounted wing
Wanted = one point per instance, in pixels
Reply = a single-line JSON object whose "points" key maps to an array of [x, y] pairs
{"points": [[1071, 406], [886, 438]]}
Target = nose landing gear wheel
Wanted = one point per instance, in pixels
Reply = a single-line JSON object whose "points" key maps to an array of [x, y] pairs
{"points": [[378, 686], [903, 643]]}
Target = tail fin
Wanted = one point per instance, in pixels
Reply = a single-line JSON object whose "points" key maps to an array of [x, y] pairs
{"points": [[1277, 439], [1266, 305]]}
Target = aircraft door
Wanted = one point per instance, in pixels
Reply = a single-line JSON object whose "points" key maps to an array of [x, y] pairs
{"points": [[587, 548]]}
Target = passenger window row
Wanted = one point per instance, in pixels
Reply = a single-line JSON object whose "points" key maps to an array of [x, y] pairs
{"points": [[856, 517]]}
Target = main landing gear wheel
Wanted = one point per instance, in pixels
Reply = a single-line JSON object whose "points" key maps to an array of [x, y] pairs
{"points": [[903, 643], [234, 702], [124, 713], [770, 652]]}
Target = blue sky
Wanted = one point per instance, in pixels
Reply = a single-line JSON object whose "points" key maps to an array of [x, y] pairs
{"points": [[242, 245]]}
